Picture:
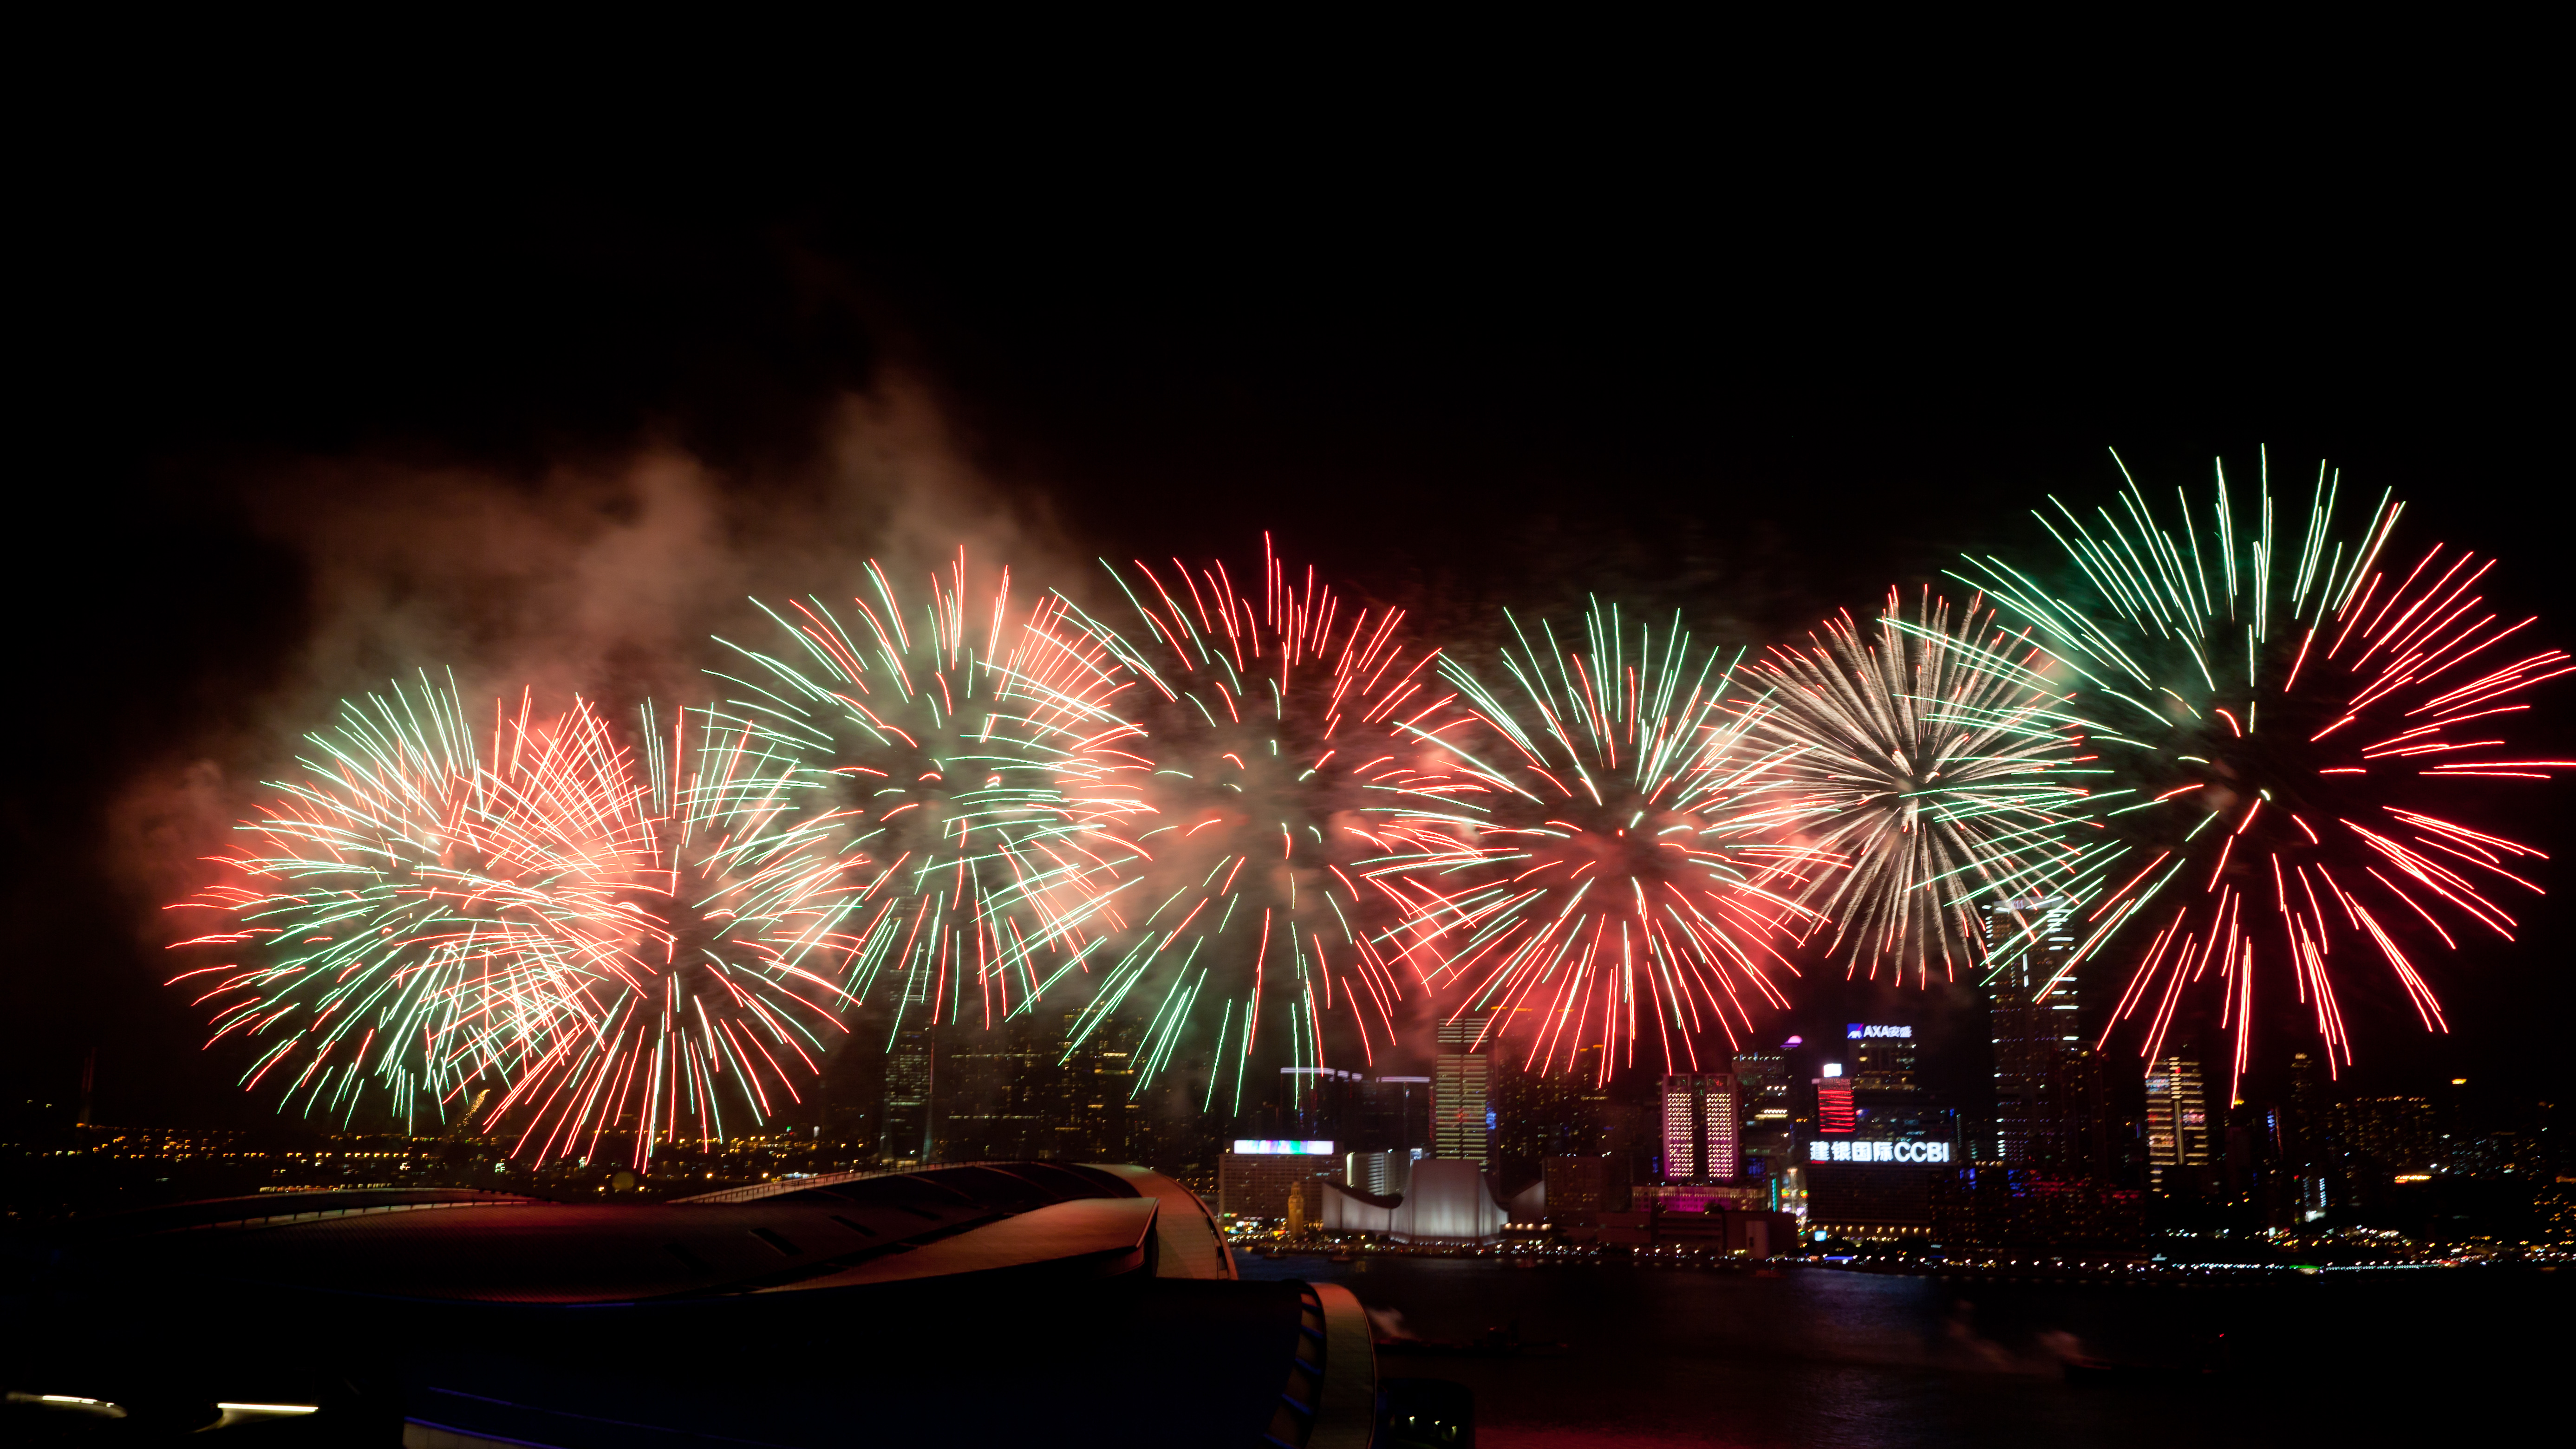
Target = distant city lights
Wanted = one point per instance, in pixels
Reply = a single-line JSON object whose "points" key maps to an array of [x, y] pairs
{"points": [[1266, 1147], [1848, 1151]]}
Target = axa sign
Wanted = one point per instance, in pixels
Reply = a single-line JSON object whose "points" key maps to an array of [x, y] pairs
{"points": [[1859, 1031]]}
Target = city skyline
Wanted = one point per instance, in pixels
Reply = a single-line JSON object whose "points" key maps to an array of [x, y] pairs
{"points": [[2300, 1153]]}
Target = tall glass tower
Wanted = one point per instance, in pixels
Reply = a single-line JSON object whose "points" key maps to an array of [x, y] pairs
{"points": [[2177, 1124], [2043, 1105], [1462, 1113], [911, 1065], [1701, 1122]]}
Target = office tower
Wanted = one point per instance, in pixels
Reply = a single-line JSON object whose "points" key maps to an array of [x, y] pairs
{"points": [[1769, 1144], [1680, 1123], [2309, 1147], [2390, 1136], [1580, 1189], [1543, 1114], [1871, 1109], [1630, 1129], [1721, 1125], [998, 1090], [2461, 1144], [905, 1134], [1880, 1058], [1095, 1116], [2045, 1102], [2277, 1193], [1462, 1109], [2177, 1125], [911, 1069], [1317, 1102], [1888, 1102], [1391, 1114], [1700, 1127]]}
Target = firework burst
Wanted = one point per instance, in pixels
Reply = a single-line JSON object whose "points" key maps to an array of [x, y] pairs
{"points": [[423, 911], [365, 909], [1600, 881], [1935, 761], [1260, 765], [684, 880], [2290, 720], [937, 745]]}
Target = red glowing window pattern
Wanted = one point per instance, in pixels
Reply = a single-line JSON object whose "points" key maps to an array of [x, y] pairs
{"points": [[1834, 1109]]}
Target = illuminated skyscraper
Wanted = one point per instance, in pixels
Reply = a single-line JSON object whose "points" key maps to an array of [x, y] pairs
{"points": [[2177, 1125], [2046, 1082], [1462, 1115], [1701, 1125], [1680, 1130], [911, 1066], [1544, 1114], [1888, 1102], [1881, 1059], [2392, 1135], [2309, 1145], [1762, 1080]]}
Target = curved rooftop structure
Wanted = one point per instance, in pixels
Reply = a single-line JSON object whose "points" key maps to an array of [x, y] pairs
{"points": [[1446, 1202], [1016, 1302]]}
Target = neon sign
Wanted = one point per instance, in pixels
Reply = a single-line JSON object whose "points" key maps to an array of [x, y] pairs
{"points": [[1834, 1108], [1860, 1032], [1266, 1147], [1878, 1152]]}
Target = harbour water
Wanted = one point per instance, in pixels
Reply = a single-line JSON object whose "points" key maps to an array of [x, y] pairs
{"points": [[1822, 1356]]}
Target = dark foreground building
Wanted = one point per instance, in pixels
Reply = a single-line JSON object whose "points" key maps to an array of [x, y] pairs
{"points": [[1008, 1303]]}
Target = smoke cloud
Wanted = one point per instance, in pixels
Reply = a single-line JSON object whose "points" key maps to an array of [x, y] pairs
{"points": [[607, 579]]}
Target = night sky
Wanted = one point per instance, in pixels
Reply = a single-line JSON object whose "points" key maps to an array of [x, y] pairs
{"points": [[259, 410]]}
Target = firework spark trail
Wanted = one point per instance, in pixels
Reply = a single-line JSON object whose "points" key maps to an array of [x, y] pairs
{"points": [[683, 867], [2279, 714], [1259, 765], [939, 743], [1606, 874], [422, 916], [1940, 766], [363, 907]]}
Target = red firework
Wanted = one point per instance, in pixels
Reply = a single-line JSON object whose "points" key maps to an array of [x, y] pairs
{"points": [[2287, 740], [1605, 876]]}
